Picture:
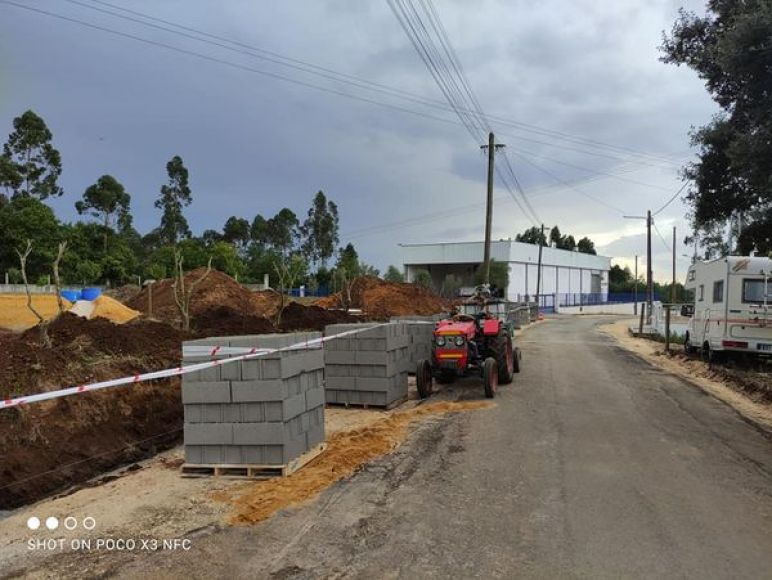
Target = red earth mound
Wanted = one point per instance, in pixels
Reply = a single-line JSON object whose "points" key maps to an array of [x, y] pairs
{"points": [[51, 445], [381, 300], [295, 316], [216, 290], [224, 321]]}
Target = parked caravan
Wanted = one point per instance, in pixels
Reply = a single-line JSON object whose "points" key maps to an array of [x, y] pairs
{"points": [[732, 302]]}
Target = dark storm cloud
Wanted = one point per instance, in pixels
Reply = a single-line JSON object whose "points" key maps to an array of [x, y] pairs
{"points": [[254, 144]]}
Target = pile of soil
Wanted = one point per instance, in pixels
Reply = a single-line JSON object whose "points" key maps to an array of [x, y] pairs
{"points": [[54, 444], [124, 293], [224, 321], [216, 290], [380, 300], [295, 317]]}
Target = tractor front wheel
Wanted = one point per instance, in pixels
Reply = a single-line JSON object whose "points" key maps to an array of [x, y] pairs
{"points": [[423, 378], [516, 359], [490, 377]]}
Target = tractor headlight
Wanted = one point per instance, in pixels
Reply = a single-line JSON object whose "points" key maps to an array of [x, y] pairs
{"points": [[440, 340], [459, 341]]}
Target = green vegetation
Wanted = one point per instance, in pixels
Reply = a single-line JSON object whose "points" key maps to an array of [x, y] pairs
{"points": [[731, 182], [109, 250], [533, 235]]}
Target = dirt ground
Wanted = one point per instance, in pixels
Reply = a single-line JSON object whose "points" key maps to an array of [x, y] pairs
{"points": [[158, 503], [719, 382]]}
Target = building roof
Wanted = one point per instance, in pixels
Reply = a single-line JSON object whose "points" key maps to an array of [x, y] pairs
{"points": [[502, 251]]}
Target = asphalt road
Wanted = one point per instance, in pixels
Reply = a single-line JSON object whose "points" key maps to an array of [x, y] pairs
{"points": [[593, 464]]}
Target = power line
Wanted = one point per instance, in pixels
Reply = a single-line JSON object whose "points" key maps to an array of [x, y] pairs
{"points": [[671, 200], [366, 84], [656, 229]]}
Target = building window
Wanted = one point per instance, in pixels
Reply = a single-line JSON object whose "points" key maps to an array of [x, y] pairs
{"points": [[702, 293], [718, 291]]}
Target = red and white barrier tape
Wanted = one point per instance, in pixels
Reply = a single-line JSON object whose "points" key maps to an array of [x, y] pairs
{"points": [[250, 353]]}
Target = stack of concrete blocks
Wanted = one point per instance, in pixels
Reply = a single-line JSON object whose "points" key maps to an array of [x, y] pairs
{"points": [[263, 411], [420, 331], [368, 367]]}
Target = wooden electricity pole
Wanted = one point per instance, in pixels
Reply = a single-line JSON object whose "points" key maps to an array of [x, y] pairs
{"points": [[538, 270], [649, 271], [491, 147], [673, 288], [635, 288]]}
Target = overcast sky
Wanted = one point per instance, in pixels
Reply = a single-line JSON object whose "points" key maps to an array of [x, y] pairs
{"points": [[254, 143]]}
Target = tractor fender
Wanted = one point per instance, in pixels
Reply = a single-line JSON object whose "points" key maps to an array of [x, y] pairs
{"points": [[491, 327]]}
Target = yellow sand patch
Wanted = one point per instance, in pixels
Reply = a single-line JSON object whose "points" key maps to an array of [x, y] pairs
{"points": [[106, 307], [14, 314], [346, 452]]}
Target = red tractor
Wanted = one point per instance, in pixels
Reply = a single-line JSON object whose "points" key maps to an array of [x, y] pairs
{"points": [[468, 344]]}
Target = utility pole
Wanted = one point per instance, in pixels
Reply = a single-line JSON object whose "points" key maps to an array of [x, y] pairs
{"points": [[649, 271], [538, 271], [491, 147], [673, 288], [635, 288]]}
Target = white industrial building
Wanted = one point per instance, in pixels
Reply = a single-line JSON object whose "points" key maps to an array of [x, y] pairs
{"points": [[563, 272]]}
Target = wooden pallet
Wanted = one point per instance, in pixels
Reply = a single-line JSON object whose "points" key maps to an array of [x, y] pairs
{"points": [[388, 407], [236, 471]]}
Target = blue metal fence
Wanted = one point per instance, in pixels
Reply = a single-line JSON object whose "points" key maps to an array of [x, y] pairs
{"points": [[320, 292], [589, 299]]}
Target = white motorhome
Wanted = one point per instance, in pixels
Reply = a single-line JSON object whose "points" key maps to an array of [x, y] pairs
{"points": [[732, 306]]}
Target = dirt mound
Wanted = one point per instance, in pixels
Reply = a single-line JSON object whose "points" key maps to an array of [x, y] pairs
{"points": [[73, 439], [381, 300], [268, 302], [216, 290], [224, 321], [123, 293], [295, 316]]}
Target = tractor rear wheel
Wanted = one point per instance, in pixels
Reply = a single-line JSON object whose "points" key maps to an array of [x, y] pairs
{"points": [[423, 378], [505, 356], [490, 377]]}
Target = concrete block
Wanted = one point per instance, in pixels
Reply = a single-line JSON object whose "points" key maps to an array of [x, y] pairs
{"points": [[230, 371], [252, 412], [232, 454], [206, 392], [194, 453], [314, 398], [340, 383], [293, 406], [208, 434], [315, 436], [258, 433], [259, 390], [398, 381]]}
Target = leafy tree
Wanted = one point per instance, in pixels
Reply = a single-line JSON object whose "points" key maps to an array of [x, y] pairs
{"points": [[174, 196], [259, 262], [226, 259], [618, 275], [499, 276], [288, 270], [555, 236], [236, 231], [25, 218], [210, 237], [730, 47], [258, 231], [422, 278], [282, 230], [394, 275], [366, 269], [86, 272], [105, 200], [567, 243], [450, 286], [320, 230], [31, 165], [586, 246], [532, 235]]}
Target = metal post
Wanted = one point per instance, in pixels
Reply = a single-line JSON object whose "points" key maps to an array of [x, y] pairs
{"points": [[673, 288], [667, 329]]}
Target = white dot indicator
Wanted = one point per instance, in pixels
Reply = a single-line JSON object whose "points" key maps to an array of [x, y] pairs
{"points": [[89, 523], [33, 523], [52, 523]]}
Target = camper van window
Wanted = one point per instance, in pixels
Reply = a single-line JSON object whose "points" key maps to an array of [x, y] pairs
{"points": [[718, 291], [753, 291], [702, 292]]}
